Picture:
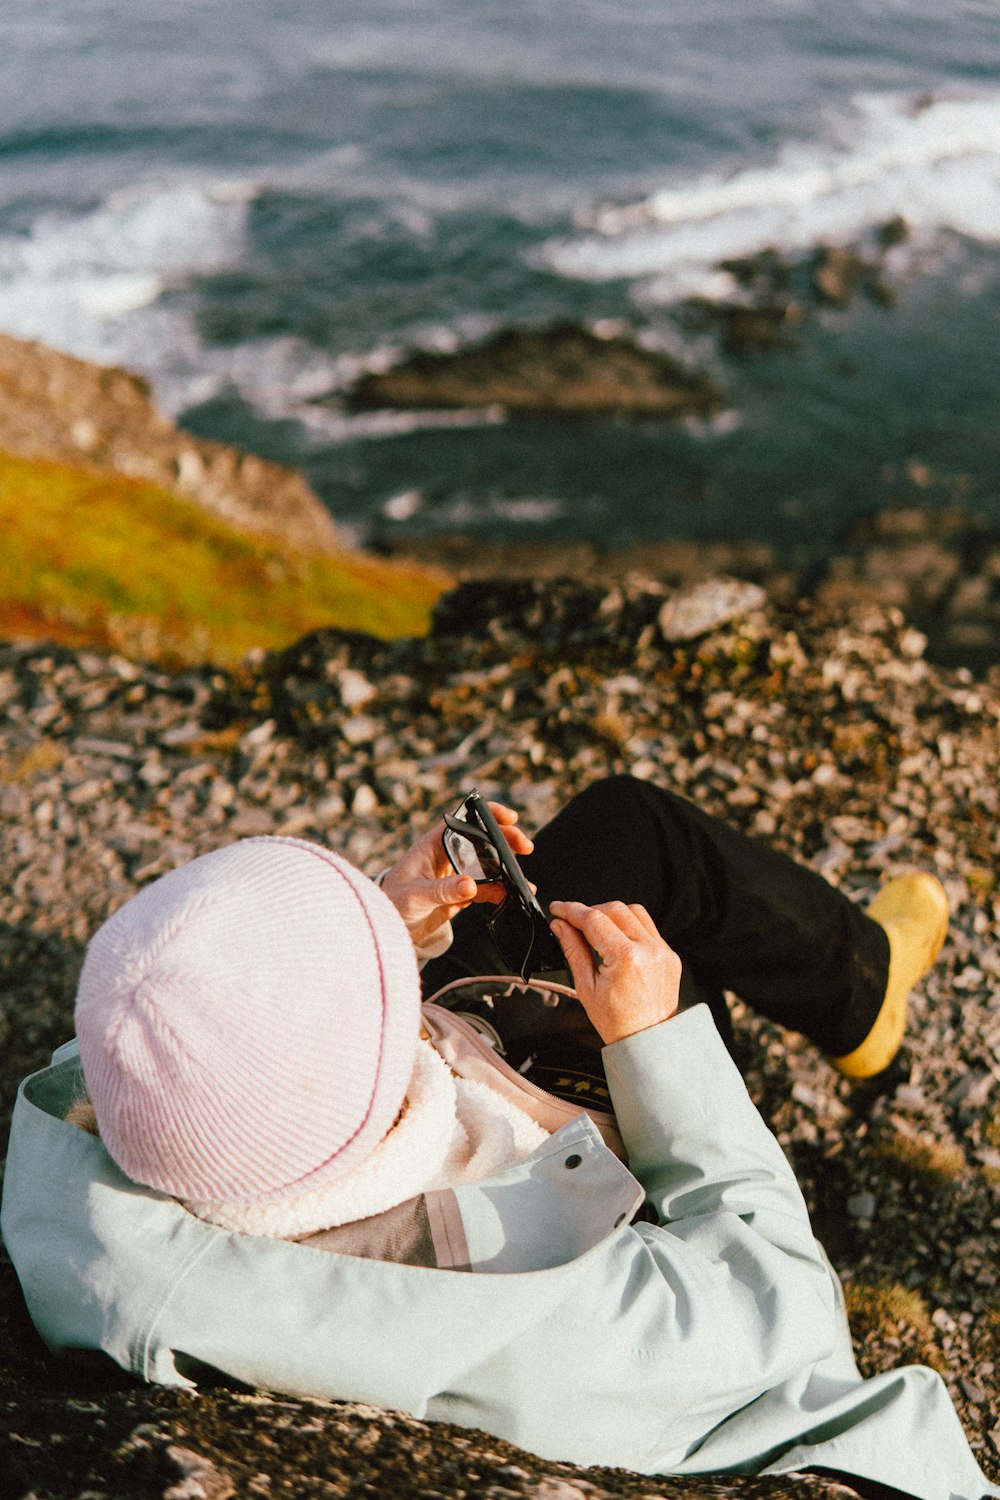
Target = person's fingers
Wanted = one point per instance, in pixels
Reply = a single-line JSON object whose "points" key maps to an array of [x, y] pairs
{"points": [[579, 956], [449, 891], [605, 935], [605, 938], [643, 916], [492, 891], [504, 815], [431, 837], [624, 918], [518, 840], [611, 918], [569, 911], [432, 845]]}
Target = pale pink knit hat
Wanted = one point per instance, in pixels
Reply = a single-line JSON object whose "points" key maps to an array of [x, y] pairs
{"points": [[248, 1023]]}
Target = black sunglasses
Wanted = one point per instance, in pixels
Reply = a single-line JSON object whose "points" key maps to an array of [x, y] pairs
{"points": [[475, 844]]}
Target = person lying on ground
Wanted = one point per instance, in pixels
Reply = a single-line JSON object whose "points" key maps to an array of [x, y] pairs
{"points": [[292, 1173]]}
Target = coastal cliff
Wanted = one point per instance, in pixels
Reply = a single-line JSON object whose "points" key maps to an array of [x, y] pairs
{"points": [[123, 532], [97, 418]]}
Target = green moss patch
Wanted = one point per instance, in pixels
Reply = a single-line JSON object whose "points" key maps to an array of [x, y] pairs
{"points": [[891, 1325], [924, 1160], [104, 560]]}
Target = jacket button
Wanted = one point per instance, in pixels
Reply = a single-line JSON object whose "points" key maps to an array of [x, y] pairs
{"points": [[573, 1161]]}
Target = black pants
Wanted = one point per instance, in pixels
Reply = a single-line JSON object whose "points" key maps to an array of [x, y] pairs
{"points": [[742, 916]]}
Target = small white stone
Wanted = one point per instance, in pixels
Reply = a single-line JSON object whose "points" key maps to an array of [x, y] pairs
{"points": [[706, 606], [258, 736], [85, 434], [357, 730], [251, 822], [364, 803], [354, 687]]}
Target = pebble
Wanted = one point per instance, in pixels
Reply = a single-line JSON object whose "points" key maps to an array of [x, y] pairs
{"points": [[705, 606], [355, 689], [200, 1479], [364, 804]]}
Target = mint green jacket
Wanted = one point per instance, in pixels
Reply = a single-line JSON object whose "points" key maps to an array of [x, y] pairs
{"points": [[715, 1339]]}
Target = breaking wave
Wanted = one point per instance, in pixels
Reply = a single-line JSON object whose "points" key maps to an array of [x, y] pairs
{"points": [[96, 284], [89, 282], [933, 162]]}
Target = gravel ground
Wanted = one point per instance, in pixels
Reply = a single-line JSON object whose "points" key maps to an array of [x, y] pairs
{"points": [[821, 729]]}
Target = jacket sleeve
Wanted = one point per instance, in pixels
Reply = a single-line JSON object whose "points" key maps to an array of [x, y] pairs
{"points": [[695, 1139]]}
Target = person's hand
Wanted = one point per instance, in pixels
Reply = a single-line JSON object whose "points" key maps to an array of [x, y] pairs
{"points": [[626, 976], [424, 888]]}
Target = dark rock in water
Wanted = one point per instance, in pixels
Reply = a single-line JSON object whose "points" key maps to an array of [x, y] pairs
{"points": [[893, 232], [839, 272], [563, 369], [766, 316], [751, 329], [777, 294], [765, 274], [836, 275]]}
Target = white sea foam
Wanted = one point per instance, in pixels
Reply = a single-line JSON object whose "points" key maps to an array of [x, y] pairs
{"points": [[93, 283], [89, 282], [523, 510], [935, 163], [332, 425], [463, 511]]}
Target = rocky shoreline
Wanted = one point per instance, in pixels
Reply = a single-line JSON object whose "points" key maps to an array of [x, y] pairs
{"points": [[821, 726], [764, 302], [928, 553], [939, 564]]}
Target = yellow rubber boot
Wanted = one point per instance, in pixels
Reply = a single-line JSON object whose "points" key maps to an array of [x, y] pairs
{"points": [[913, 909]]}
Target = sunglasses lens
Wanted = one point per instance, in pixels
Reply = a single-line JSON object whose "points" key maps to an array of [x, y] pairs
{"points": [[513, 932], [472, 857]]}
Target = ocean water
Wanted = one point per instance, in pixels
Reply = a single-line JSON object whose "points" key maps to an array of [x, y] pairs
{"points": [[252, 204]]}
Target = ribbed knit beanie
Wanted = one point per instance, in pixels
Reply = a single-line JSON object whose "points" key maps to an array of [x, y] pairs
{"points": [[248, 1023]]}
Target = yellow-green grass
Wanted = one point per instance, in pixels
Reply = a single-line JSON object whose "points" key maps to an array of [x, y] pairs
{"points": [[113, 562], [930, 1162], [891, 1325]]}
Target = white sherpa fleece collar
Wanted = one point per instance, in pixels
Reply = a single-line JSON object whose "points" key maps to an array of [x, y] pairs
{"points": [[452, 1130]]}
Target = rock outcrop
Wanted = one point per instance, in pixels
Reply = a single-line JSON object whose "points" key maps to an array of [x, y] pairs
{"points": [[775, 295], [57, 407], [563, 370]]}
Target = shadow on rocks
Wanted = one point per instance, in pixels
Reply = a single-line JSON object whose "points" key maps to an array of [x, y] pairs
{"points": [[38, 977]]}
